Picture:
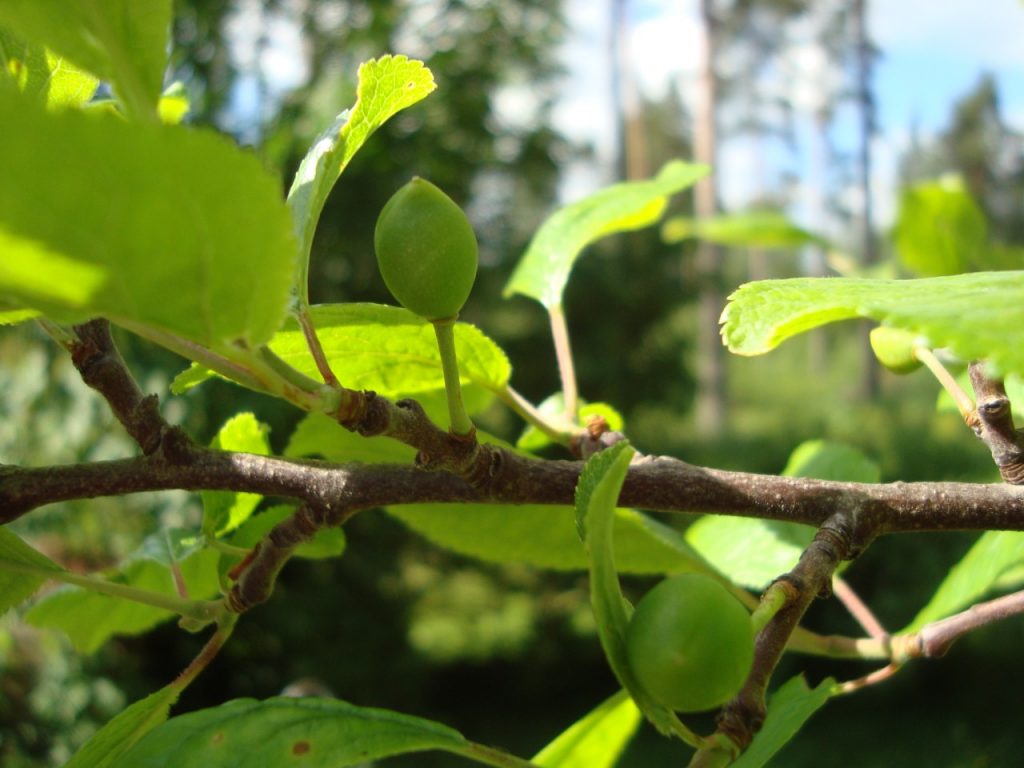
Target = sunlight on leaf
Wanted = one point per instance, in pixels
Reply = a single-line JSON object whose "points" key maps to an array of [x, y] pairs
{"points": [[789, 708], [596, 740]]}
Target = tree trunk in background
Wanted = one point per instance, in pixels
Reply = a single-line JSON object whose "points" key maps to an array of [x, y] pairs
{"points": [[633, 156], [709, 402], [869, 376]]}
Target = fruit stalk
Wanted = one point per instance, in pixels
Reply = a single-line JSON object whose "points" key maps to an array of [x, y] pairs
{"points": [[458, 418]]}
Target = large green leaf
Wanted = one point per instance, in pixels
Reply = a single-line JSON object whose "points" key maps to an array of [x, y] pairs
{"points": [[224, 511], [752, 229], [753, 552], [284, 732], [386, 86], [788, 709], [979, 315], [596, 740], [940, 230], [42, 74], [986, 566], [390, 350], [22, 570], [124, 731], [123, 41], [89, 618], [544, 269], [152, 226]]}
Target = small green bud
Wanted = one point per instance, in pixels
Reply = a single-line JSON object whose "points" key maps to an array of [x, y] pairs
{"points": [[426, 250], [894, 348]]}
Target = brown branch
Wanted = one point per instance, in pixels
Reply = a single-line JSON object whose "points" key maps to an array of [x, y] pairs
{"points": [[935, 639], [838, 539], [101, 367], [994, 425], [658, 484]]}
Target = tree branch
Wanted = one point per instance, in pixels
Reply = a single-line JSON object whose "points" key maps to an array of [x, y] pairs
{"points": [[994, 425]]}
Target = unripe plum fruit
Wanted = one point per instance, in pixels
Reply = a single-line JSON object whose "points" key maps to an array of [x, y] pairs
{"points": [[894, 348], [426, 250], [690, 643]]}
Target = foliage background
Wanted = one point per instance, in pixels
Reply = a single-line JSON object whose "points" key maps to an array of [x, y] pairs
{"points": [[397, 623]]}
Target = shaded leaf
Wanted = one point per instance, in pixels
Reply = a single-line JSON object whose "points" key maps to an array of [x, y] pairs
{"points": [[544, 269], [122, 41], [206, 253], [284, 731], [789, 708], [124, 731], [978, 315], [752, 552], [22, 570], [595, 741], [386, 86]]}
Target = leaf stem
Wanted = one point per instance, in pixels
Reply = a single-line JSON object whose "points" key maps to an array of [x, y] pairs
{"points": [[491, 756], [560, 433], [563, 351], [316, 349], [963, 401], [445, 332]]}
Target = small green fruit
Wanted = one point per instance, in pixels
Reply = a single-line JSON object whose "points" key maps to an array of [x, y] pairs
{"points": [[426, 250], [894, 348], [690, 643]]}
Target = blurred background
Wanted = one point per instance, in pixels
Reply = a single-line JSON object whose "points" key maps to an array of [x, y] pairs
{"points": [[828, 112]]}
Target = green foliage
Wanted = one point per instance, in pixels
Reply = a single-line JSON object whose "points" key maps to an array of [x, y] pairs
{"points": [[37, 72], [279, 732], [940, 229], [386, 86], [977, 315], [89, 618], [224, 511], [753, 552], [122, 733], [544, 269], [22, 570], [120, 41], [596, 740], [69, 254], [788, 709]]}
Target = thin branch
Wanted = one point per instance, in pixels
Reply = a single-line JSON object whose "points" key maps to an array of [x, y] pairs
{"points": [[935, 639], [858, 609], [994, 425], [563, 352]]}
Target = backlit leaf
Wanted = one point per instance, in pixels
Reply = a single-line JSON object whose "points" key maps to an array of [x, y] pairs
{"points": [[124, 731], [544, 269], [224, 511], [752, 229], [978, 315], [22, 570], [596, 740], [789, 708]]}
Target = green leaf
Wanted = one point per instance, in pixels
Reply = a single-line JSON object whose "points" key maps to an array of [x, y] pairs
{"points": [[595, 741], [985, 567], [287, 731], [391, 351], [752, 229], [22, 570], [596, 495], [329, 542], [979, 315], [123, 41], [89, 618], [546, 537], [753, 552], [544, 269], [150, 225], [940, 230], [553, 407], [320, 435], [124, 731], [15, 316], [789, 708], [386, 86], [40, 73], [224, 511]]}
